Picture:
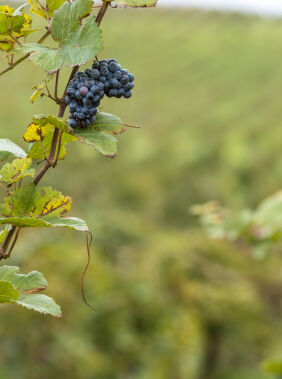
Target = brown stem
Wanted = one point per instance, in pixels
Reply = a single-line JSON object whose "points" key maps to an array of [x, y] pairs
{"points": [[8, 240], [102, 12], [13, 244], [56, 84], [13, 65]]}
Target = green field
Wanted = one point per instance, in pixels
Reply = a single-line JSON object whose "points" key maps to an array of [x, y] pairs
{"points": [[170, 303]]}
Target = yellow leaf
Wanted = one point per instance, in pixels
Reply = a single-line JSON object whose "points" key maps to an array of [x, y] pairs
{"points": [[37, 132], [37, 8]]}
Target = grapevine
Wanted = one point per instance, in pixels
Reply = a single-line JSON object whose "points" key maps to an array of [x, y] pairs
{"points": [[74, 27]]}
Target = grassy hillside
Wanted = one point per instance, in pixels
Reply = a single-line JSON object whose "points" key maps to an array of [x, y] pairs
{"points": [[170, 304]]}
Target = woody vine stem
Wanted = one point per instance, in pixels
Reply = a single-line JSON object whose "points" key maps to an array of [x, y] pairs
{"points": [[52, 159]]}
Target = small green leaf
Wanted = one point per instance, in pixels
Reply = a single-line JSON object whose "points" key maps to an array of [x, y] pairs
{"points": [[23, 290], [40, 303], [10, 149], [18, 169], [36, 151], [8, 293], [138, 3]]}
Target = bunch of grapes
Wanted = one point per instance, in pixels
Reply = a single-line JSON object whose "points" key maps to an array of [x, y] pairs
{"points": [[87, 89]]}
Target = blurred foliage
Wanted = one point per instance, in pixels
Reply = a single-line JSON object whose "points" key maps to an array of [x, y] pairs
{"points": [[170, 303], [261, 228]]}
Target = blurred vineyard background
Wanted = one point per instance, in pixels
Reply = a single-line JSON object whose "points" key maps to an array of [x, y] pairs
{"points": [[170, 302]]}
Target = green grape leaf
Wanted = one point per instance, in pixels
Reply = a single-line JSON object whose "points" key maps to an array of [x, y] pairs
{"points": [[35, 202], [23, 290], [36, 151], [78, 42], [40, 10], [138, 3], [40, 303], [10, 149], [8, 293], [47, 222], [18, 169]]}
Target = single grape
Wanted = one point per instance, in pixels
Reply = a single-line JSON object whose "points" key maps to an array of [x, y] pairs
{"points": [[103, 79], [100, 86], [70, 91], [124, 79], [128, 94], [107, 85], [114, 83], [81, 116], [130, 77], [104, 71], [94, 89], [73, 105], [128, 86], [83, 91], [96, 99], [95, 74], [67, 99], [118, 75], [73, 123], [78, 95], [96, 66], [93, 111], [113, 66], [113, 93]]}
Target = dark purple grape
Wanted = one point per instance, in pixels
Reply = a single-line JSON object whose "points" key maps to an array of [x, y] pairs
{"points": [[83, 90], [73, 124]]}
